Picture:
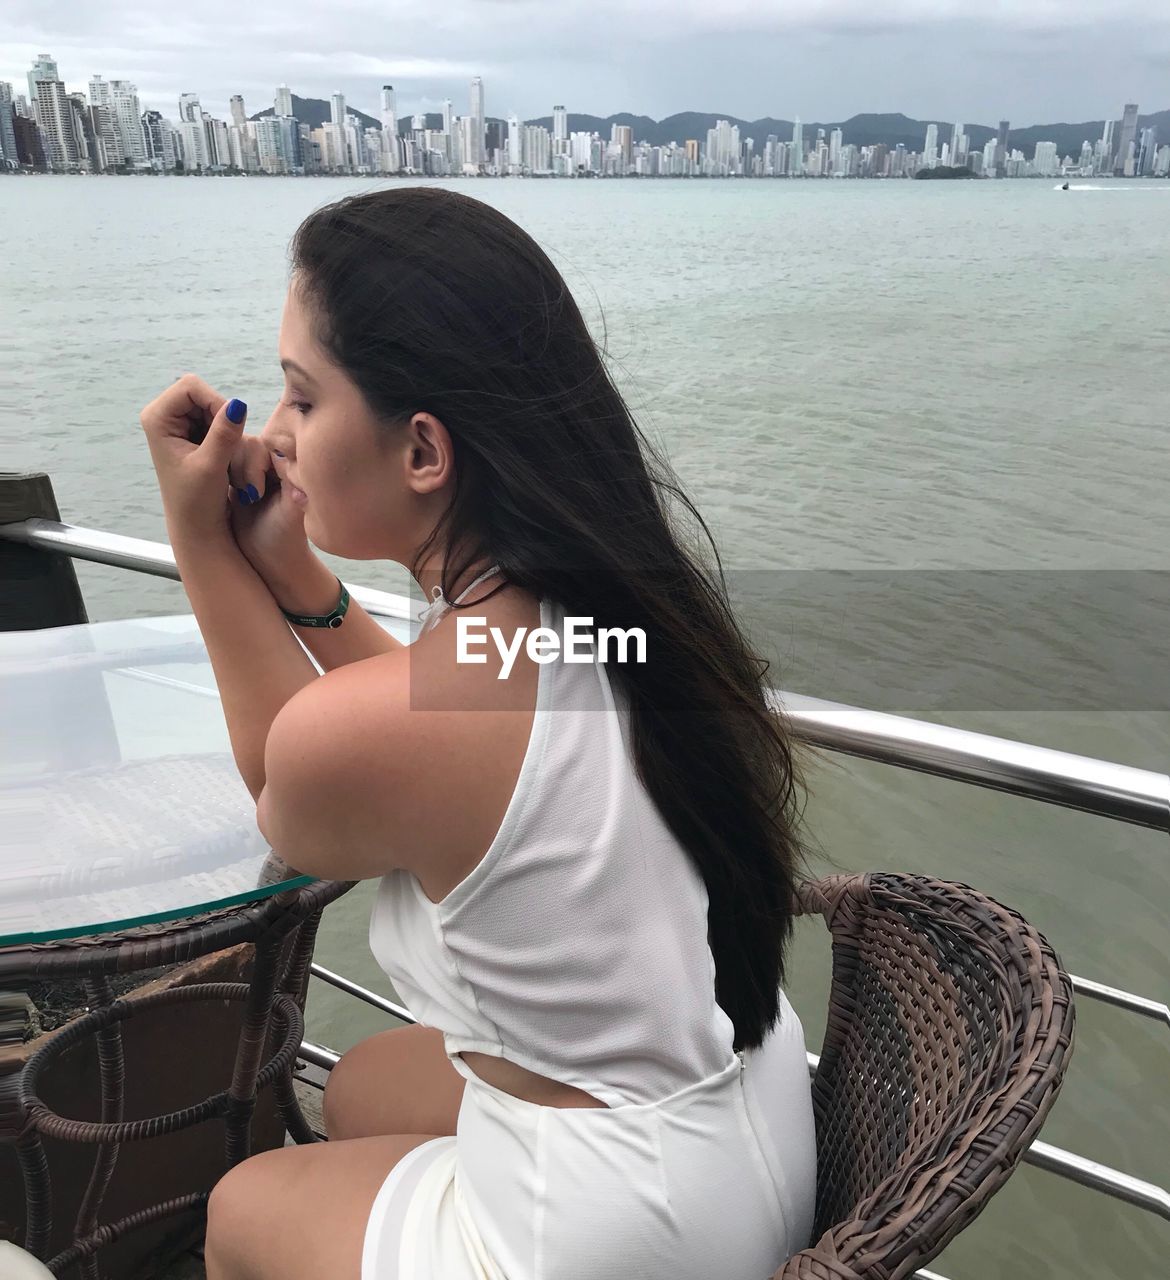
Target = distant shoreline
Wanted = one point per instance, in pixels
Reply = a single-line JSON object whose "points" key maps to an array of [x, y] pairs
{"points": [[929, 174]]}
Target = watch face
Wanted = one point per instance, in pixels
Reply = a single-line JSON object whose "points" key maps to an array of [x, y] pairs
{"points": [[334, 623]]}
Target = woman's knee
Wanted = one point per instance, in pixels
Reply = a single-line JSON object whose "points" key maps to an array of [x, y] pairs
{"points": [[397, 1081], [236, 1211]]}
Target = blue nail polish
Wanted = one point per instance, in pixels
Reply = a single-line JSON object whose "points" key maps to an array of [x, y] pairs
{"points": [[235, 411], [253, 493], [244, 499]]}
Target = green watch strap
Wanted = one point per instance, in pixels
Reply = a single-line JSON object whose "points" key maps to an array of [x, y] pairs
{"points": [[333, 619]]}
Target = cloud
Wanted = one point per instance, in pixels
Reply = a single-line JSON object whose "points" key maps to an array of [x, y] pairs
{"points": [[360, 64], [821, 59]]}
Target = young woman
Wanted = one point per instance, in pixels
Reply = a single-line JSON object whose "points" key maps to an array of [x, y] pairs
{"points": [[584, 868]]}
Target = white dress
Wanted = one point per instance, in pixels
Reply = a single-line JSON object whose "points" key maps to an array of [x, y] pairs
{"points": [[577, 947]]}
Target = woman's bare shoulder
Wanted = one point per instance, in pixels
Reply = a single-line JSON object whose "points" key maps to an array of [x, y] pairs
{"points": [[418, 755]]}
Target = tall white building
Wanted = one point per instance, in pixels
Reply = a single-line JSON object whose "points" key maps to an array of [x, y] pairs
{"points": [[478, 121], [722, 149], [7, 129], [836, 139], [195, 154], [448, 112], [103, 123], [1127, 141], [55, 113], [515, 145], [797, 166], [390, 144], [44, 68], [282, 104], [338, 110], [1045, 161], [128, 122], [930, 147], [560, 124], [239, 115]]}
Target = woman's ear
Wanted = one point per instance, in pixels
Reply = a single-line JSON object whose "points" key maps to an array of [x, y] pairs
{"points": [[430, 453]]}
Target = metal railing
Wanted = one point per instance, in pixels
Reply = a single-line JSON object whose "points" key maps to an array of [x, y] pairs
{"points": [[1090, 1173], [1119, 792]]}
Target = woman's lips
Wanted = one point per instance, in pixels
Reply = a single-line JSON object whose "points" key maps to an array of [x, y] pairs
{"points": [[296, 493]]}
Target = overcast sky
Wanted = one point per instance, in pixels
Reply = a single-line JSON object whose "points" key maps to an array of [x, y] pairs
{"points": [[1033, 61]]}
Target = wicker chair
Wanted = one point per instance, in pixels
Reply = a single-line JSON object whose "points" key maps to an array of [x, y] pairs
{"points": [[950, 1026]]}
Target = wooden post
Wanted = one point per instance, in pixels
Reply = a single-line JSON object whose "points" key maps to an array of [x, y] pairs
{"points": [[37, 588]]}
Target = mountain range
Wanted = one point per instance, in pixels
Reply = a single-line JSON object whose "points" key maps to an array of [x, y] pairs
{"points": [[862, 130]]}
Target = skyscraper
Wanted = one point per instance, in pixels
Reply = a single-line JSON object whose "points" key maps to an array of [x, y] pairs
{"points": [[337, 109], [477, 120], [1129, 119], [389, 109], [127, 115], [239, 115], [930, 147], [1001, 148], [44, 68], [390, 141], [282, 104], [57, 124], [7, 132], [560, 124], [797, 167]]}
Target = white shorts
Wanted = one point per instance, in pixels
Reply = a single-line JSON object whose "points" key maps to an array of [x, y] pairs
{"points": [[719, 1179]]}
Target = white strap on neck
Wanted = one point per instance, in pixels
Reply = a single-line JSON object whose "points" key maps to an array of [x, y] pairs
{"points": [[440, 604]]}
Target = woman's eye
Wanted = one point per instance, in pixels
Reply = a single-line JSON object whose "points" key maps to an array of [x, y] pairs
{"points": [[299, 405]]}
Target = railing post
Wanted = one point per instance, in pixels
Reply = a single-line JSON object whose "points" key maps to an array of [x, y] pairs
{"points": [[37, 588]]}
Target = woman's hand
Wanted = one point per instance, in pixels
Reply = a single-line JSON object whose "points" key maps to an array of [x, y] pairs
{"points": [[269, 529], [192, 442]]}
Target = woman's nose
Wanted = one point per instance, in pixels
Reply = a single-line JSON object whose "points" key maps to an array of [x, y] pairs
{"points": [[272, 439]]}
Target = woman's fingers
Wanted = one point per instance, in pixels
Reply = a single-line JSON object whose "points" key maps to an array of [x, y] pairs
{"points": [[187, 406], [249, 466]]}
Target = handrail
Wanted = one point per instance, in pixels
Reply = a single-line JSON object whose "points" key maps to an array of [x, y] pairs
{"points": [[154, 558], [1122, 999], [1116, 791], [1066, 1164]]}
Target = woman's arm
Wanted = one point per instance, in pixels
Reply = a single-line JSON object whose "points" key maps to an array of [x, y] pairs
{"points": [[257, 661], [308, 585]]}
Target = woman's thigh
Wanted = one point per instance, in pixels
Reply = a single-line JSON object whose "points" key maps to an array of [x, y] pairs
{"points": [[396, 1082], [300, 1213]]}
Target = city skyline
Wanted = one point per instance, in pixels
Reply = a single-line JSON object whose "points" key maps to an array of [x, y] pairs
{"points": [[55, 129], [948, 59], [476, 99]]}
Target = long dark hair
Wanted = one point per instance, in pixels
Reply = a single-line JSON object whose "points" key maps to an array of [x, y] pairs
{"points": [[431, 300]]}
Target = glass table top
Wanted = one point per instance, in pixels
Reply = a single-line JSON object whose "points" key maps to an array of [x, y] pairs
{"points": [[120, 801]]}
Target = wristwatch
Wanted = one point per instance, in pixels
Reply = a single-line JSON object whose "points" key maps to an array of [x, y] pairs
{"points": [[333, 619]]}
